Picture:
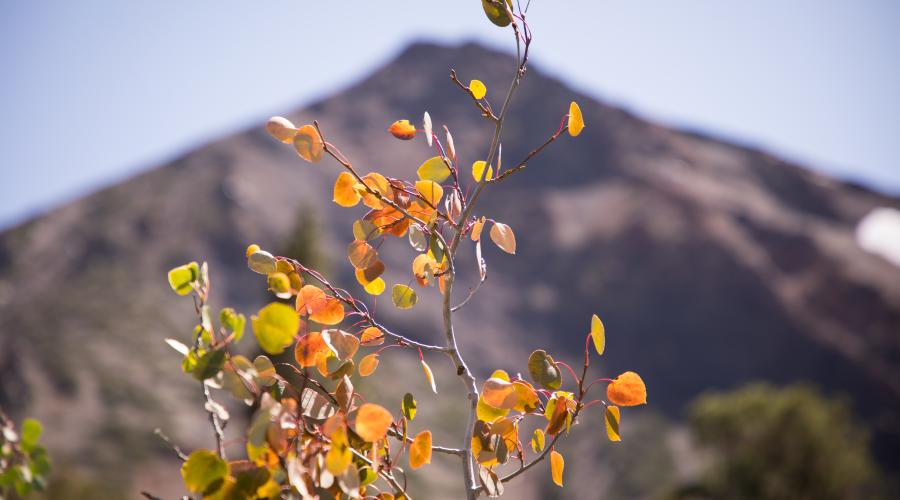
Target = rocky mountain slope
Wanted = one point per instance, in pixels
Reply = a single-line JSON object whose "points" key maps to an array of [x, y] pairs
{"points": [[712, 264]]}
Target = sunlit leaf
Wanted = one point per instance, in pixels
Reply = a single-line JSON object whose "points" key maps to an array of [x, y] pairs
{"points": [[182, 278], [343, 344], [372, 336], [309, 347], [557, 464], [275, 326], [261, 262], [209, 365], [344, 193], [368, 364], [478, 89], [434, 169], [408, 407], [364, 230], [339, 455], [499, 393], [537, 441], [612, 423], [202, 470], [544, 371], [279, 284], [526, 397], [321, 308], [576, 122], [431, 191], [233, 321], [377, 183], [402, 129], [478, 170], [493, 485], [308, 144], [420, 450], [403, 296], [598, 334], [487, 412], [372, 422], [429, 375], [251, 249], [178, 346], [361, 254], [627, 390], [375, 287], [496, 12], [476, 229], [503, 236], [282, 129], [426, 128]]}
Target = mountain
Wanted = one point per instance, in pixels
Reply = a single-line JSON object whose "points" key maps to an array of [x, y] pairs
{"points": [[712, 264]]}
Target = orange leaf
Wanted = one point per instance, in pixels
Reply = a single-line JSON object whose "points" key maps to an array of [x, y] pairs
{"points": [[476, 229], [308, 349], [282, 129], [420, 450], [368, 364], [627, 390], [308, 144], [402, 129], [372, 336], [499, 393], [557, 464], [576, 122], [372, 422], [361, 254], [344, 193], [378, 183]]}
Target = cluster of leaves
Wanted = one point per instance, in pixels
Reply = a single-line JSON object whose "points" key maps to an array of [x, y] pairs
{"points": [[24, 464], [320, 436]]}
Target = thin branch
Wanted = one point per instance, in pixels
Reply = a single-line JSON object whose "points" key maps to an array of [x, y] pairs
{"points": [[522, 164], [472, 292], [439, 449], [172, 445], [217, 424], [485, 111]]}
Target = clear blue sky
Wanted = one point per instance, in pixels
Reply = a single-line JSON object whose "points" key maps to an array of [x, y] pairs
{"points": [[93, 91]]}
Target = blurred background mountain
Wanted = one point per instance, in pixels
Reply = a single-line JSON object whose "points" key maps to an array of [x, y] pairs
{"points": [[759, 299]]}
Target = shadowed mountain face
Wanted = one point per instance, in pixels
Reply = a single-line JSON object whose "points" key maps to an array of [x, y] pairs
{"points": [[712, 264]]}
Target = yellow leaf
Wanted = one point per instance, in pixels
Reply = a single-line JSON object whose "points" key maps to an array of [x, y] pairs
{"points": [[375, 287], [478, 171], [429, 376], [430, 191], [361, 254], [372, 336], [576, 122], [402, 129], [403, 296], [627, 390], [434, 169], [375, 182], [344, 193], [537, 441], [557, 464], [478, 89], [612, 423], [308, 144], [372, 422], [487, 412], [321, 308], [368, 364], [282, 129], [309, 348], [496, 12], [503, 236], [420, 450], [598, 334], [252, 249], [476, 229], [339, 456]]}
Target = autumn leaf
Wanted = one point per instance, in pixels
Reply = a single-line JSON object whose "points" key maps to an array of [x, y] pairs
{"points": [[495, 11], [557, 464], [282, 129], [308, 349], [274, 327], [344, 193], [430, 191], [368, 364], [544, 371], [372, 422], [478, 89], [478, 170], [434, 169], [339, 455], [420, 450], [627, 390], [598, 334], [612, 423], [576, 122], [429, 375], [308, 144], [402, 129], [361, 254], [408, 407], [476, 229], [503, 236], [372, 336], [426, 128], [499, 393], [537, 441], [403, 296]]}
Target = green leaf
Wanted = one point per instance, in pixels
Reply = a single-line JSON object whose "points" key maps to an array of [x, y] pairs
{"points": [[265, 371], [408, 406], [434, 169], [209, 364], [233, 321], [261, 262], [537, 441], [367, 476], [31, 432], [203, 472], [544, 370], [403, 296], [275, 327], [494, 11], [182, 278]]}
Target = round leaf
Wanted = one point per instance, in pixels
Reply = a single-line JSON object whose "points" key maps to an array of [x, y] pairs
{"points": [[431, 191], [275, 327], [308, 144], [503, 236], [182, 278], [420, 450], [368, 364], [434, 169], [627, 390], [402, 129], [544, 371], [282, 129], [344, 193], [372, 422], [403, 296], [202, 470], [478, 170], [478, 89]]}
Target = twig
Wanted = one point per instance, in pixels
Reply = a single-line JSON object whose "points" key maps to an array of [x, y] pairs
{"points": [[172, 445], [218, 426]]}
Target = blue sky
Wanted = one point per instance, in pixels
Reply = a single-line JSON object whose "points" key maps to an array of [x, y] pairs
{"points": [[94, 91]]}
